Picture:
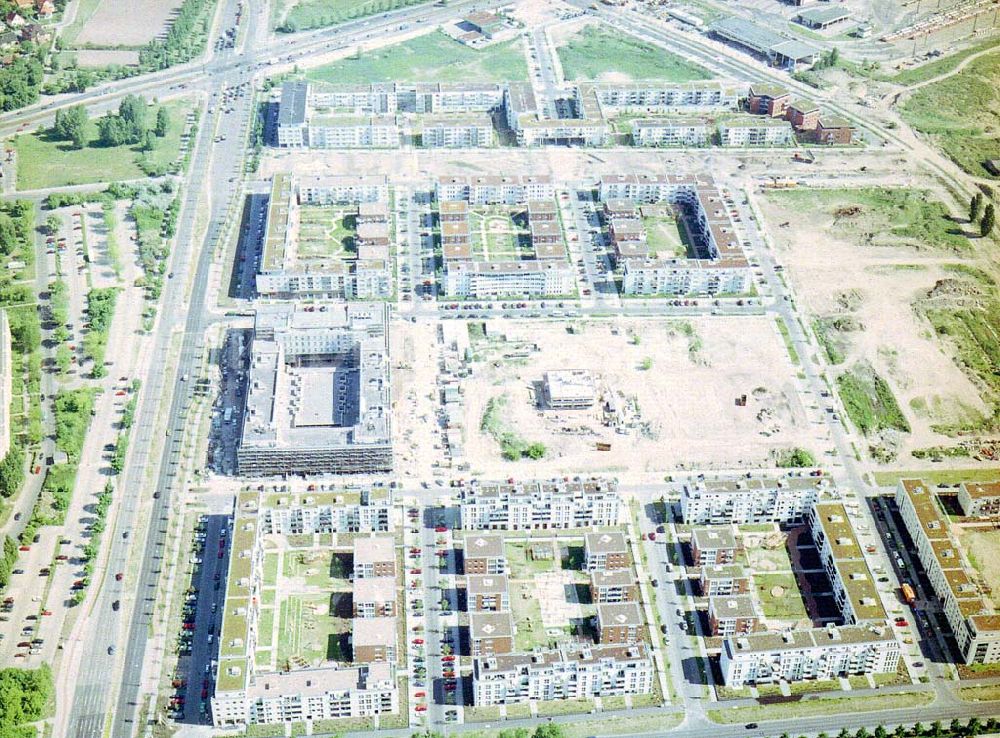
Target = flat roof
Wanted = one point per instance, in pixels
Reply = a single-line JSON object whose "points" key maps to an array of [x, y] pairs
{"points": [[370, 550], [374, 589], [491, 625], [732, 606], [724, 571], [608, 542], [373, 632], [479, 545], [586, 654], [829, 14], [569, 383], [486, 584], [714, 537], [618, 614], [612, 578], [979, 490], [793, 640]]}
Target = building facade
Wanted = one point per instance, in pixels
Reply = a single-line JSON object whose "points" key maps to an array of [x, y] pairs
{"points": [[555, 504], [750, 501]]}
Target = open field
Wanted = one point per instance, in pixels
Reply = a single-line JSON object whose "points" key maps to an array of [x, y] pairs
{"points": [[46, 161], [433, 57], [301, 15], [604, 55], [667, 417], [821, 706], [113, 22], [958, 114], [860, 262]]}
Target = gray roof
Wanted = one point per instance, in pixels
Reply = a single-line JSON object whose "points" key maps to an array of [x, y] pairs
{"points": [[371, 550], [483, 545], [292, 110], [714, 537], [487, 584], [795, 50], [732, 606], [610, 542], [621, 613], [745, 32], [829, 14], [490, 625]]}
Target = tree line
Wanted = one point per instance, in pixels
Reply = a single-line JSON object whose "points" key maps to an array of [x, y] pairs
{"points": [[989, 216], [130, 125]]}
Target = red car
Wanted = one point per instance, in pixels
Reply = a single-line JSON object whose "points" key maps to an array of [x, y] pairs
{"points": [[421, 708], [416, 571], [24, 548], [418, 641], [46, 612], [120, 393], [441, 529], [901, 623], [419, 695], [447, 659]]}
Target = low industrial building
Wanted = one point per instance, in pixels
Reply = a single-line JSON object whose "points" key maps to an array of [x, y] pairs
{"points": [[749, 501], [581, 672], [817, 653], [538, 505], [819, 19], [317, 399], [776, 49], [969, 612], [570, 389]]}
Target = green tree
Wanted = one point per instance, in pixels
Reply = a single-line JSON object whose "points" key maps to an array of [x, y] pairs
{"points": [[162, 121], [11, 471], [988, 221], [975, 207], [919, 729], [548, 730], [900, 731], [956, 727], [880, 731], [112, 130], [149, 141], [535, 450], [132, 111], [974, 726], [52, 224], [71, 125], [936, 729], [862, 733], [9, 236]]}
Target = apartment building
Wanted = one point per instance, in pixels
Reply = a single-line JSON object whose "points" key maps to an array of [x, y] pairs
{"points": [[605, 551], [714, 546], [353, 132], [854, 588], [582, 672], [310, 694], [374, 597], [768, 99], [730, 615], [612, 586], [373, 640], [970, 614], [487, 593], [366, 510], [343, 189], [539, 505], [490, 189], [817, 653], [655, 96], [491, 633], [979, 499], [803, 114], [532, 126], [484, 553], [483, 280], [318, 391], [374, 557], [671, 132], [456, 132], [720, 580], [748, 501], [619, 623], [649, 276], [760, 131]]}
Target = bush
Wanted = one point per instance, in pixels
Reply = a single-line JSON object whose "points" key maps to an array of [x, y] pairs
{"points": [[12, 471]]}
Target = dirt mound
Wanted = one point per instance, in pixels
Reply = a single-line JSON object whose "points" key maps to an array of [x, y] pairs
{"points": [[953, 288]]}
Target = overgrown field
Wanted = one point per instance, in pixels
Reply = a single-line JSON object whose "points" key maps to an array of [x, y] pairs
{"points": [[431, 58], [869, 401], [595, 52], [306, 14], [961, 114]]}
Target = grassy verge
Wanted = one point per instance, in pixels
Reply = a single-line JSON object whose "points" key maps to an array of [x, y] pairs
{"points": [[431, 58], [819, 707], [787, 338], [595, 52]]}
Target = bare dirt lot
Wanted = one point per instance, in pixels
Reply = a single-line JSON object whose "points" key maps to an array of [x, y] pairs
{"points": [[674, 384], [870, 286], [414, 372], [982, 547], [126, 22]]}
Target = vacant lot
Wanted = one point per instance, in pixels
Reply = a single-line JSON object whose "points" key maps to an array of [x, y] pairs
{"points": [[119, 23], [959, 114], [861, 261], [46, 161], [301, 15], [430, 58], [656, 373], [601, 54]]}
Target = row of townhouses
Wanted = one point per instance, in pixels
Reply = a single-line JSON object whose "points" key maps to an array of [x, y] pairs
{"points": [[970, 614]]}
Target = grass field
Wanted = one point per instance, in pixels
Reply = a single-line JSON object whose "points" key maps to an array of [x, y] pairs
{"points": [[305, 14], [869, 401], [431, 58], [306, 630], [936, 476], [820, 707], [325, 232], [789, 605], [666, 237], [940, 66], [595, 52], [983, 550], [881, 215], [523, 567], [959, 114], [497, 237], [44, 161]]}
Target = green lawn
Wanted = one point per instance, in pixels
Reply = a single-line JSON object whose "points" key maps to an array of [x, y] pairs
{"points": [[936, 476], [666, 237], [521, 566], [564, 707], [430, 58], [305, 628], [43, 161], [869, 401], [306, 14], [325, 232], [822, 706], [959, 114], [271, 569], [789, 605], [595, 53]]}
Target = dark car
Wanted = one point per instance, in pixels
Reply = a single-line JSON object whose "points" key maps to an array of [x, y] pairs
{"points": [[750, 726]]}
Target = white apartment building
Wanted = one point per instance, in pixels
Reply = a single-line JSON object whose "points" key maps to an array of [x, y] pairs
{"points": [[652, 96], [818, 653], [970, 614], [310, 694], [746, 501], [453, 133], [534, 131], [757, 131], [342, 189], [553, 504], [979, 499], [350, 511], [670, 132], [649, 276], [495, 189], [854, 588], [570, 673], [342, 132], [486, 279]]}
